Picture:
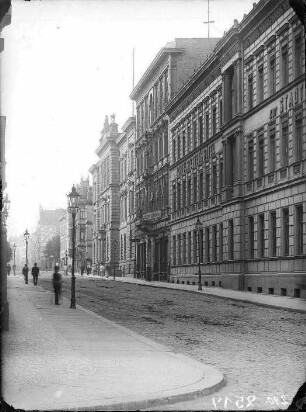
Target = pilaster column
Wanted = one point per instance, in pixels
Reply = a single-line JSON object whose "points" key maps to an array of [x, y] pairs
{"points": [[226, 87], [239, 85]]}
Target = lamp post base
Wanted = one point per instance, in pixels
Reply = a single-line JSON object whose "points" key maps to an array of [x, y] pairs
{"points": [[72, 304], [200, 281]]}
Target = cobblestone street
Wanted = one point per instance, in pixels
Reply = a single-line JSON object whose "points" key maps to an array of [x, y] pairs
{"points": [[261, 351]]}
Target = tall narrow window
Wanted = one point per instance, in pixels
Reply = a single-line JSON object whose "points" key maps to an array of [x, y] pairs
{"points": [[184, 193], [178, 203], [251, 237], [272, 150], [261, 156], [200, 129], [285, 144], [221, 174], [194, 133], [184, 249], [250, 91], [201, 246], [195, 243], [189, 192], [214, 243], [273, 233], [201, 183], [174, 250], [220, 113], [179, 250], [298, 132], [207, 245], [207, 125], [261, 235], [183, 144], [251, 159], [165, 143], [214, 120], [195, 189], [174, 150], [207, 184], [230, 239], [174, 197], [284, 63], [272, 76], [178, 147], [260, 84], [286, 232], [299, 229], [214, 180], [189, 249], [221, 241], [298, 55]]}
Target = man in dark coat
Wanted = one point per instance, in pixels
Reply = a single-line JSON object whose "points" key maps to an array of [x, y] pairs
{"points": [[35, 272], [57, 284], [8, 269], [25, 272]]}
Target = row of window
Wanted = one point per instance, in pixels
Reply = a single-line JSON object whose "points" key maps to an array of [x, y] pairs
{"points": [[126, 166], [126, 205], [265, 237], [158, 149]]}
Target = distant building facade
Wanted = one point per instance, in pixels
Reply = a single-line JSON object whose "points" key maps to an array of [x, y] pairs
{"points": [[173, 65], [127, 168], [238, 159], [65, 259], [105, 174]]}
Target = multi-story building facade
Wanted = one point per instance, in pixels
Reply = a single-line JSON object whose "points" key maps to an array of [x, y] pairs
{"points": [[84, 231], [238, 159], [127, 169], [172, 66], [105, 174]]}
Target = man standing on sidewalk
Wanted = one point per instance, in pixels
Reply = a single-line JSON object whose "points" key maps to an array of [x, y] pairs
{"points": [[25, 272], [35, 272], [57, 284]]}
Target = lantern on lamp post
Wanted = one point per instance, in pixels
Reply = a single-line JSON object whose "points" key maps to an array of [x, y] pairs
{"points": [[73, 207], [199, 226]]}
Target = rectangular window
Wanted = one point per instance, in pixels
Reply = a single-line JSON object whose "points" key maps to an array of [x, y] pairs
{"points": [[184, 249], [195, 189], [250, 91], [273, 233], [272, 76], [299, 229], [251, 237], [261, 236], [207, 126], [179, 250], [183, 144], [214, 243], [189, 148], [272, 150], [221, 241], [174, 250], [214, 120], [285, 144], [298, 132], [165, 143], [174, 197], [250, 160], [200, 245], [220, 113], [231, 239], [214, 180], [207, 245], [201, 183], [194, 133], [260, 85], [261, 156], [286, 232], [200, 129], [195, 253], [284, 65], [178, 147], [298, 55], [207, 185]]}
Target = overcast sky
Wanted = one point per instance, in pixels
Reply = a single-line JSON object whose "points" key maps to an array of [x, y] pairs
{"points": [[67, 64]]}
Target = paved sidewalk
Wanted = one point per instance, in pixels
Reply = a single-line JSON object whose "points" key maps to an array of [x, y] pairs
{"points": [[61, 358], [275, 301]]}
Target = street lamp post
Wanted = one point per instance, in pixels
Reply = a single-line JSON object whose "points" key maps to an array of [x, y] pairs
{"points": [[73, 209], [198, 229], [26, 237], [14, 265]]}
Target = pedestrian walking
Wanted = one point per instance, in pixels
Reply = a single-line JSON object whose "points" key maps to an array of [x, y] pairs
{"points": [[35, 272], [57, 284], [8, 268], [25, 272], [82, 269]]}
